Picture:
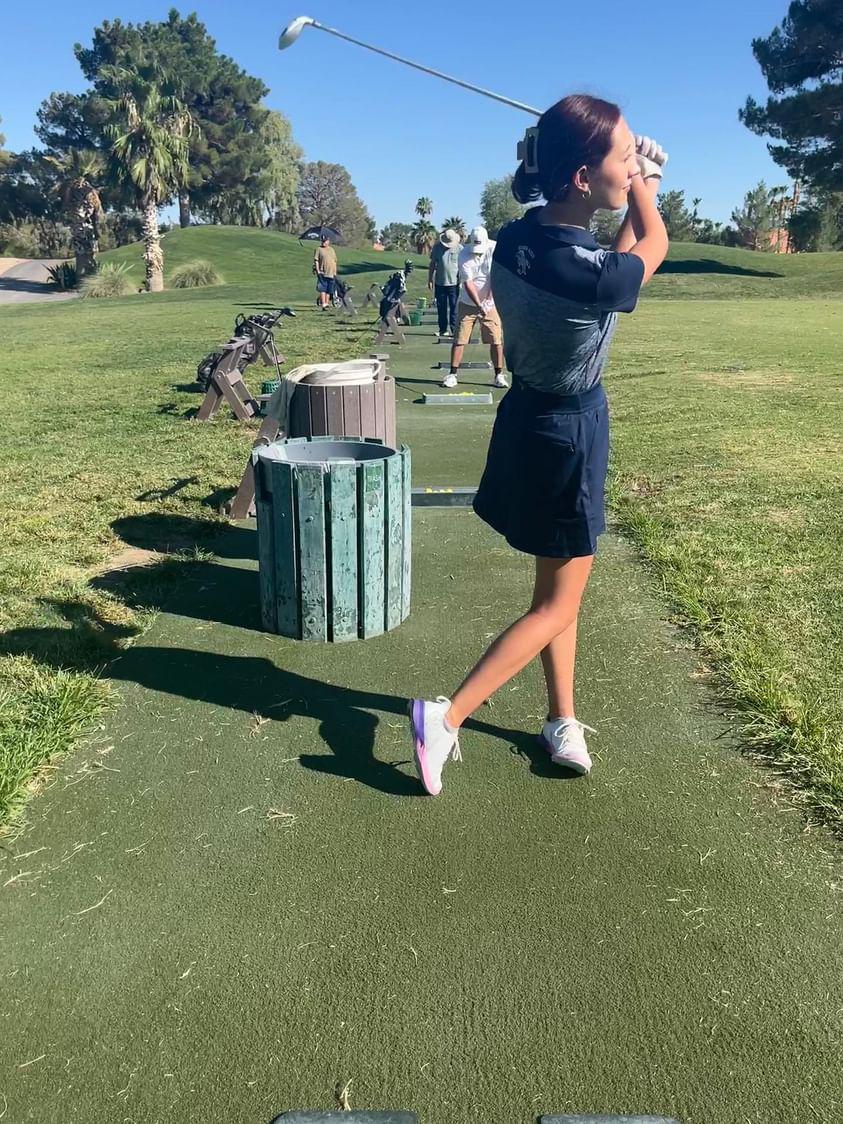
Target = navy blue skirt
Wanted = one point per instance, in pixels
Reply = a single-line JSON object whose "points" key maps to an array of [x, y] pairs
{"points": [[545, 477]]}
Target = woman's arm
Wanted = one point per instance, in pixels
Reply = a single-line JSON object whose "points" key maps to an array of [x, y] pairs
{"points": [[631, 229], [651, 241]]}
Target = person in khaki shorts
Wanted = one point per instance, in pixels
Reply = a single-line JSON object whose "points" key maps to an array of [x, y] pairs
{"points": [[325, 268], [476, 304]]}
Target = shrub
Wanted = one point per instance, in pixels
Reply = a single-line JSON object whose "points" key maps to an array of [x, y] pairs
{"points": [[63, 276], [193, 274], [110, 280], [19, 240], [42, 239]]}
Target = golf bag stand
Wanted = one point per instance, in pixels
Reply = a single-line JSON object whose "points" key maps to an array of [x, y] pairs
{"points": [[226, 383]]}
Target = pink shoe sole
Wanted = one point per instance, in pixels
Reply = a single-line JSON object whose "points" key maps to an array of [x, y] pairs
{"points": [[416, 711], [563, 762]]}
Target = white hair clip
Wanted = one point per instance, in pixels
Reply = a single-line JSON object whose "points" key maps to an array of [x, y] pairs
{"points": [[528, 149]]}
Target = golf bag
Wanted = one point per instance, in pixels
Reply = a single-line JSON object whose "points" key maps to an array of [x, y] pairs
{"points": [[342, 296], [206, 368], [393, 291]]}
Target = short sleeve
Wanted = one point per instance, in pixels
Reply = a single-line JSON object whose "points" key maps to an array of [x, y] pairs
{"points": [[619, 282], [468, 269]]}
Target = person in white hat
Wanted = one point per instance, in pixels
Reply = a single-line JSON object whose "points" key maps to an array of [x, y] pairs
{"points": [[476, 304], [443, 278]]}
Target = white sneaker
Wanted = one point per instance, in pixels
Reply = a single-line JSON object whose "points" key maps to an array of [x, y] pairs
{"points": [[433, 741], [500, 380], [450, 380], [564, 740]]}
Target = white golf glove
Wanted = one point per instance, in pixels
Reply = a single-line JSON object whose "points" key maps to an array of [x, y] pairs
{"points": [[487, 305], [651, 157]]}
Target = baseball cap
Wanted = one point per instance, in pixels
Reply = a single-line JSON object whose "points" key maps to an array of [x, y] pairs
{"points": [[479, 240]]}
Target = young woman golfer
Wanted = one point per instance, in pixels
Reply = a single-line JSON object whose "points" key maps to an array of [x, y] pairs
{"points": [[558, 294]]}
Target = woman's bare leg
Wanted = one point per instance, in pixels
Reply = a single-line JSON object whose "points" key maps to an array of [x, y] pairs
{"points": [[560, 583], [558, 657]]}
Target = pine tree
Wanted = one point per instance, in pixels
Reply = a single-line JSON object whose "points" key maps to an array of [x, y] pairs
{"points": [[802, 61]]}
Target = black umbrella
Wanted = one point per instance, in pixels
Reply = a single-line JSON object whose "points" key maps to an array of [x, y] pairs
{"points": [[317, 233]]}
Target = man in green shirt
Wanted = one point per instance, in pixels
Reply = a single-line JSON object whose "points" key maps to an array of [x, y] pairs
{"points": [[325, 268], [444, 274]]}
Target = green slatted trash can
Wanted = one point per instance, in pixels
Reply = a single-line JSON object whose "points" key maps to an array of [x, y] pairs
{"points": [[334, 537]]}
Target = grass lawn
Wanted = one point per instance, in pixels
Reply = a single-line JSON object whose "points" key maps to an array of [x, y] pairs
{"points": [[727, 472]]}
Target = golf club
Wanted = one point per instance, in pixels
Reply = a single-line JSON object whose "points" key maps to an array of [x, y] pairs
{"points": [[293, 30]]}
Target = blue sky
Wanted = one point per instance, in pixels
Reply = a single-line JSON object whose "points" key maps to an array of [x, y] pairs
{"points": [[678, 71]]}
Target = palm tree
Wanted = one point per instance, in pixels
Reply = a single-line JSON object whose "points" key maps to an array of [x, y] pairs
{"points": [[424, 235], [457, 224], [424, 207], [695, 218], [80, 199], [148, 133], [778, 199]]}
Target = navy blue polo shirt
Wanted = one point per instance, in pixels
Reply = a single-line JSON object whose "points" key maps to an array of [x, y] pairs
{"points": [[558, 294]]}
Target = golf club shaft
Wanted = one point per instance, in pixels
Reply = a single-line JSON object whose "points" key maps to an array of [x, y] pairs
{"points": [[429, 70]]}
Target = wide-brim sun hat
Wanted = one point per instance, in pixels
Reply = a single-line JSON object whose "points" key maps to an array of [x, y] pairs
{"points": [[449, 239]]}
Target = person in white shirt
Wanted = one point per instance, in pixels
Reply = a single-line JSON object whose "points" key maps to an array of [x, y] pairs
{"points": [[475, 303]]}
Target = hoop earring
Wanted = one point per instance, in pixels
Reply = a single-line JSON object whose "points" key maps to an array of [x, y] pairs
{"points": [[587, 193]]}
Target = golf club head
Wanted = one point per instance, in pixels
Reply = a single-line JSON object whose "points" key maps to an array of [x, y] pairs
{"points": [[292, 31]]}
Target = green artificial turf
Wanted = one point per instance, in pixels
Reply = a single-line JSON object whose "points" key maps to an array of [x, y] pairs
{"points": [[235, 900]]}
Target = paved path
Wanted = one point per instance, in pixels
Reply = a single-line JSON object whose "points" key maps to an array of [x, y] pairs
{"points": [[27, 281], [237, 899]]}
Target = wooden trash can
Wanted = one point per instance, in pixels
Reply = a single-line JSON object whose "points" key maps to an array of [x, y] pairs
{"points": [[365, 409], [334, 537]]}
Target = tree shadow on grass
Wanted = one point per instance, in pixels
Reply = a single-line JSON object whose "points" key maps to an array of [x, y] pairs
{"points": [[166, 533], [175, 486], [703, 265], [349, 268]]}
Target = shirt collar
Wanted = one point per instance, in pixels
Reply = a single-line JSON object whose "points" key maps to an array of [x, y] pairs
{"points": [[566, 235]]}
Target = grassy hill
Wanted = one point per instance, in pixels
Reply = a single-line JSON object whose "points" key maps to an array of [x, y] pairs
{"points": [[249, 257]]}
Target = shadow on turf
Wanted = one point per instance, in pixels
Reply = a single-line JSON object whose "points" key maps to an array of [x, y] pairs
{"points": [[91, 641], [409, 383], [254, 685]]}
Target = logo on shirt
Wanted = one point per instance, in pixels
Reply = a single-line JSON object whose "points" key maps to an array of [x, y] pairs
{"points": [[523, 260]]}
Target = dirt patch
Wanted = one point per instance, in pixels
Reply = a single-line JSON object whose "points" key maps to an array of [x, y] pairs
{"points": [[128, 559], [786, 516], [748, 380]]}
